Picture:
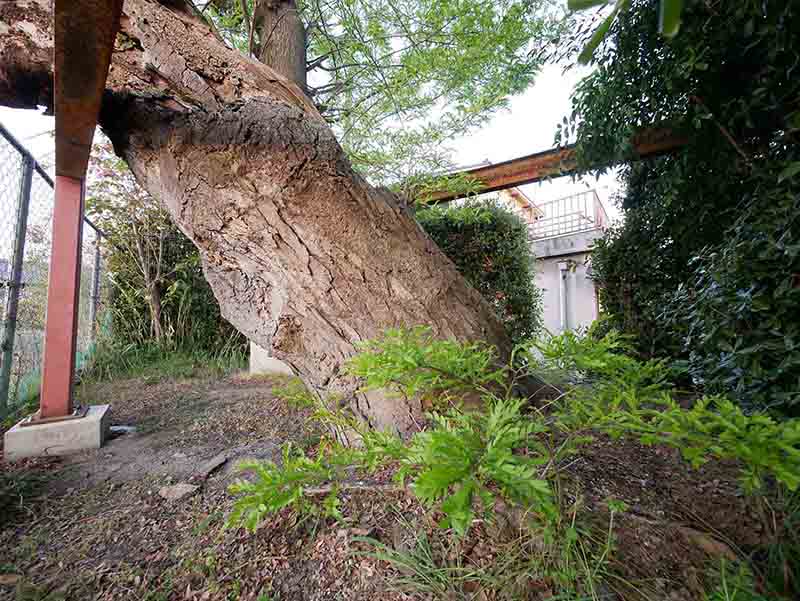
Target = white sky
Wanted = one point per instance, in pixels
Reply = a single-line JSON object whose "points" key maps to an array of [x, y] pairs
{"points": [[528, 126]]}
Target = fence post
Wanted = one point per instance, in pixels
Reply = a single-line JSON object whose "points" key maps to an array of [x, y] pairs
{"points": [[16, 283], [94, 296]]}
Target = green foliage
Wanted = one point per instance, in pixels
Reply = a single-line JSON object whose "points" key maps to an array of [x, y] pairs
{"points": [[470, 460], [736, 583], [466, 457], [421, 187], [738, 311], [457, 464], [703, 268], [435, 565], [781, 561], [275, 488], [414, 363], [669, 21], [490, 248], [398, 80], [154, 361], [630, 397]]}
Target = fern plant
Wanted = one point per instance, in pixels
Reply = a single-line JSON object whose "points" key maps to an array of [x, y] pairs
{"points": [[459, 465], [631, 397]]}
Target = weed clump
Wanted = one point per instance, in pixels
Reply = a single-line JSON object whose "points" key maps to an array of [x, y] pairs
{"points": [[504, 459]]}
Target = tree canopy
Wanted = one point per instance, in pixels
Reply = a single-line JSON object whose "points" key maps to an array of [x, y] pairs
{"points": [[397, 79]]}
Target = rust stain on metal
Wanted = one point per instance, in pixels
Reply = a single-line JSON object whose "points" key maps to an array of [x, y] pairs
{"points": [[84, 40], [554, 162]]}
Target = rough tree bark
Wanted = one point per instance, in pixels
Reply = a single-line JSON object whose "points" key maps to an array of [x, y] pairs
{"points": [[305, 258]]}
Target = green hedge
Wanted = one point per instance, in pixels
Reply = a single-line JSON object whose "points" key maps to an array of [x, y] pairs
{"points": [[489, 245], [704, 269], [190, 313]]}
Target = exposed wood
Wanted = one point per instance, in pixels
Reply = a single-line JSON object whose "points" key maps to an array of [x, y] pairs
{"points": [[551, 163]]}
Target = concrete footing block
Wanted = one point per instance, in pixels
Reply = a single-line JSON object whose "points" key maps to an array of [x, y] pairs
{"points": [[262, 363], [27, 439]]}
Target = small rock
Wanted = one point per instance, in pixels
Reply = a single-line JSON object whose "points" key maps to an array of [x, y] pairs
{"points": [[176, 492], [205, 469], [120, 430]]}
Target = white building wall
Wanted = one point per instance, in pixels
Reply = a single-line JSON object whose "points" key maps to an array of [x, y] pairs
{"points": [[568, 250], [566, 256], [581, 301]]}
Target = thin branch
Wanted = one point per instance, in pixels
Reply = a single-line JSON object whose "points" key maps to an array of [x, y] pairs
{"points": [[344, 486], [723, 130]]}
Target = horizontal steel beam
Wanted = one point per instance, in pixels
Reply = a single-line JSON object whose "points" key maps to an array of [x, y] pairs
{"points": [[550, 163]]}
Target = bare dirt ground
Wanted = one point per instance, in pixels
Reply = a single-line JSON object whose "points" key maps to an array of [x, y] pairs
{"points": [[100, 530], [97, 528]]}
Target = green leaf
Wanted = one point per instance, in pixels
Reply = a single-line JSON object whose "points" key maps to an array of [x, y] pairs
{"points": [[670, 17], [458, 509], [599, 34], [576, 5], [789, 172]]}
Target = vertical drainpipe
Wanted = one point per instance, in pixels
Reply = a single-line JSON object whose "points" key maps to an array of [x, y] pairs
{"points": [[563, 270]]}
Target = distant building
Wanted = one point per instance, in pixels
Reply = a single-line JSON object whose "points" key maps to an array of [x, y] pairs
{"points": [[562, 233]]}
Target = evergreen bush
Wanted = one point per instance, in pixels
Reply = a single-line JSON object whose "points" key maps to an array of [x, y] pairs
{"points": [[490, 248]]}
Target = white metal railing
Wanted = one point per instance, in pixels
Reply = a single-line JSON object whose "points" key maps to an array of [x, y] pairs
{"points": [[576, 213]]}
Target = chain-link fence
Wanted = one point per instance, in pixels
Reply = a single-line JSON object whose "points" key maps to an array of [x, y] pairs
{"points": [[26, 222]]}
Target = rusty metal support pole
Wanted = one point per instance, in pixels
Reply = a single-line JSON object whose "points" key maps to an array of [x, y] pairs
{"points": [[15, 282], [62, 299]]}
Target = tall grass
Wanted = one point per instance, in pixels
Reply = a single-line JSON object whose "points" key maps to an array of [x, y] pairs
{"points": [[149, 359]]}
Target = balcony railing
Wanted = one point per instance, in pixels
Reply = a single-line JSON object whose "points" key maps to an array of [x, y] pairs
{"points": [[576, 213]]}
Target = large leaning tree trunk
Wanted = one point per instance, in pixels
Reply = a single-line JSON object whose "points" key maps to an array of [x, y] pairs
{"points": [[304, 256]]}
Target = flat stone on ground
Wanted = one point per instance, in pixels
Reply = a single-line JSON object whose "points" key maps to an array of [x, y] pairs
{"points": [[205, 469], [176, 492]]}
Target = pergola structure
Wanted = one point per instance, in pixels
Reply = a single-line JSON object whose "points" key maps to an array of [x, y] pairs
{"points": [[84, 36], [555, 162]]}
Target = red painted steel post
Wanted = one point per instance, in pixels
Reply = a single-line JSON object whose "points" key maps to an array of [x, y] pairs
{"points": [[62, 298]]}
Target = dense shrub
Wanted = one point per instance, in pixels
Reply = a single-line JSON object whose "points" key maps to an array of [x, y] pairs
{"points": [[704, 268], [490, 248], [190, 315], [738, 310]]}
